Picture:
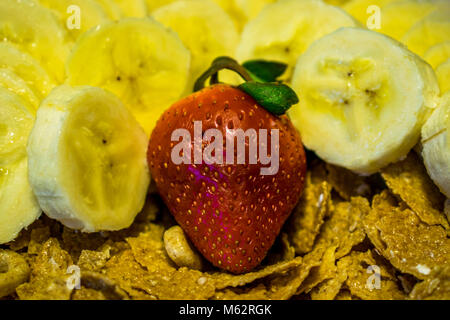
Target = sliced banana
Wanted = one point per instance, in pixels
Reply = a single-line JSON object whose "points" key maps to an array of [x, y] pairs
{"points": [[235, 12], [399, 17], [363, 99], [35, 29], [112, 9], [443, 75], [18, 205], [155, 4], [11, 81], [241, 11], [433, 29], [27, 68], [437, 54], [436, 145], [285, 29], [90, 14], [337, 2], [361, 9], [87, 159], [133, 8], [205, 29], [139, 60]]}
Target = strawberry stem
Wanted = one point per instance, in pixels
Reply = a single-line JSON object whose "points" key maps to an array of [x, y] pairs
{"points": [[276, 98], [218, 64]]}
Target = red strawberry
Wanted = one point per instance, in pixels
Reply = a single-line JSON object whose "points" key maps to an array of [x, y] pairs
{"points": [[230, 212]]}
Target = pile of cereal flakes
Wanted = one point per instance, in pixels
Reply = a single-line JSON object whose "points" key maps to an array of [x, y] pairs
{"points": [[384, 236]]}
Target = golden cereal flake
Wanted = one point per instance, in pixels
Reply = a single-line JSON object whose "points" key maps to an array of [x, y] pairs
{"points": [[14, 271], [435, 287], [347, 183], [49, 274], [344, 229], [369, 278], [325, 271], [411, 245], [94, 260], [409, 180], [307, 218]]}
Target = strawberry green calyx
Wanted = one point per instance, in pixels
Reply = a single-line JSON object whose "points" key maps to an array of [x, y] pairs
{"points": [[264, 71], [275, 97]]}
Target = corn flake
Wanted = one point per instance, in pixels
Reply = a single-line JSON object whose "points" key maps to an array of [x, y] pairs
{"points": [[344, 229], [411, 245], [409, 180], [347, 183], [369, 278], [435, 287], [48, 280], [305, 222]]}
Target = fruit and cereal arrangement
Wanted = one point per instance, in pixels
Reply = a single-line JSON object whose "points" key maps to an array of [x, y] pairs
{"points": [[119, 180]]}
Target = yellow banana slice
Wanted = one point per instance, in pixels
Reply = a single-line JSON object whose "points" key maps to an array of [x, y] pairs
{"points": [[205, 29], [87, 159], [112, 9], [27, 68], [285, 29], [399, 17], [337, 2], [241, 11], [143, 63], [363, 99], [11, 81], [36, 30], [155, 4], [437, 54], [360, 9], [436, 145], [433, 29], [133, 8], [443, 76], [77, 16], [18, 205]]}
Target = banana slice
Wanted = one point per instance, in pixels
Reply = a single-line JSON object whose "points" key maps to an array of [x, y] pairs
{"points": [[205, 29], [399, 17], [143, 63], [443, 76], [337, 2], [241, 11], [436, 145], [437, 54], [91, 14], [35, 29], [87, 159], [133, 8], [252, 8], [363, 99], [285, 29], [358, 8], [111, 8], [27, 68], [155, 4], [18, 205], [433, 29], [11, 81]]}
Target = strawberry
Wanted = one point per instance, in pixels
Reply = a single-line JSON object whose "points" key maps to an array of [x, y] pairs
{"points": [[231, 212]]}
